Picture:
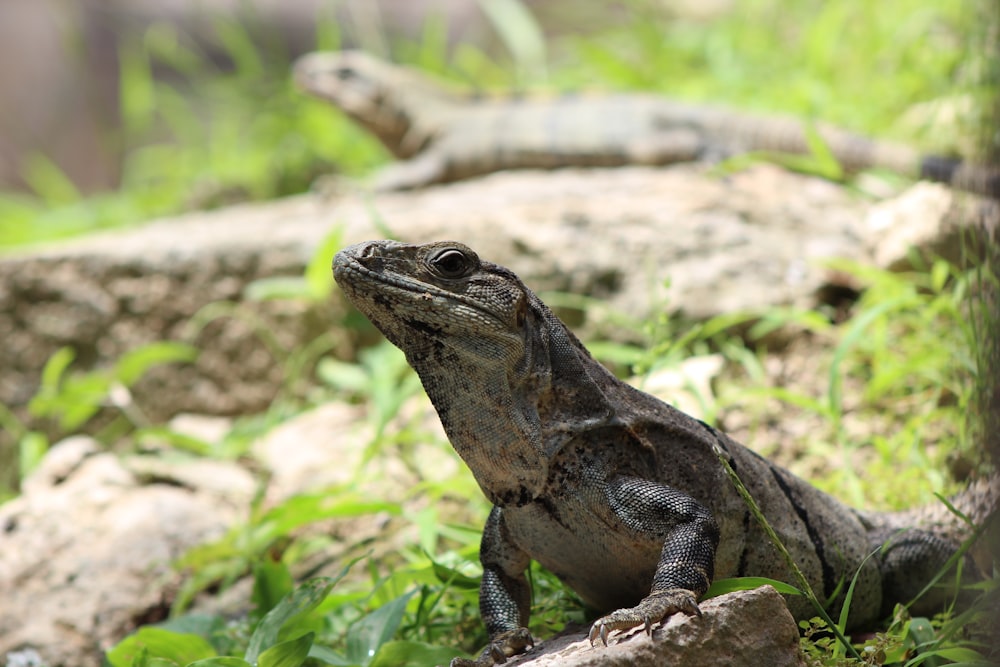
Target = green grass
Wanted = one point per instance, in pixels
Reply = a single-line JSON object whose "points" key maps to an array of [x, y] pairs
{"points": [[905, 362]]}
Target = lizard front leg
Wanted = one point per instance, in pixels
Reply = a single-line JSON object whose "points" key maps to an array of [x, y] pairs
{"points": [[504, 596], [687, 559]]}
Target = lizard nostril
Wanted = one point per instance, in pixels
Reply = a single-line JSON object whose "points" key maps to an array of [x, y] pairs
{"points": [[371, 257]]}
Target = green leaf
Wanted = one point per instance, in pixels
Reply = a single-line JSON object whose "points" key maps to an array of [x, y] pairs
{"points": [[318, 274], [921, 633], [302, 600], [838, 650], [178, 647], [137, 98], [329, 656], [141, 659], [80, 399], [616, 353], [855, 331], [721, 586], [48, 181], [31, 448], [287, 654], [826, 164], [52, 374], [316, 283], [520, 33], [133, 364], [165, 434], [239, 46], [160, 662], [371, 632], [452, 577], [271, 582], [203, 625], [221, 662], [300, 510], [412, 654], [343, 376], [959, 654], [940, 273], [277, 287]]}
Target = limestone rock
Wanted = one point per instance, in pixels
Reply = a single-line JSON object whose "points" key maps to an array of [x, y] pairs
{"points": [[737, 629], [86, 550], [638, 240], [688, 386], [326, 447], [930, 219], [617, 235]]}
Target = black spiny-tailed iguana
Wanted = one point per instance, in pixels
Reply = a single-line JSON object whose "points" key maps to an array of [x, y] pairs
{"points": [[442, 135], [620, 495]]}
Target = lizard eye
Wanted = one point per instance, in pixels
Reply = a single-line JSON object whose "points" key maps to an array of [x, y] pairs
{"points": [[451, 263], [344, 73]]}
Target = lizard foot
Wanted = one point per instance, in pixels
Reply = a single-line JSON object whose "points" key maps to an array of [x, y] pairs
{"points": [[501, 647], [654, 608]]}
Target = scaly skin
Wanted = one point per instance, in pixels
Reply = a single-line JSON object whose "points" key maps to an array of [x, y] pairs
{"points": [[443, 135], [617, 493]]}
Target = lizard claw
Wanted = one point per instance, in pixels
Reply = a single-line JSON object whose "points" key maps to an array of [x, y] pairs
{"points": [[652, 609], [598, 629], [501, 647]]}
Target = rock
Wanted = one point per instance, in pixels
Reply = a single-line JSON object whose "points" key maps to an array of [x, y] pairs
{"points": [[687, 386], [617, 235], [641, 241], [911, 219], [330, 451], [86, 550], [206, 428], [317, 449], [740, 628], [930, 219], [328, 446]]}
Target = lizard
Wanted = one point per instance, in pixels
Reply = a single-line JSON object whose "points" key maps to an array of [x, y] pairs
{"points": [[620, 495], [439, 134]]}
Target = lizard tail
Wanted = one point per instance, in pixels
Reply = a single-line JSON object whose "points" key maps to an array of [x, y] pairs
{"points": [[980, 179], [951, 519], [916, 544]]}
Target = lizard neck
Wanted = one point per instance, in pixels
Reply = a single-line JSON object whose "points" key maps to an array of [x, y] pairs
{"points": [[507, 419], [491, 426], [403, 107], [406, 118]]}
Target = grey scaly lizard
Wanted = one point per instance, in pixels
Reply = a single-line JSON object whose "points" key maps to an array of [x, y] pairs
{"points": [[620, 495], [442, 135]]}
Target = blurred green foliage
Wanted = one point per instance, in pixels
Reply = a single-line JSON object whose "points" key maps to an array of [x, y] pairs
{"points": [[200, 134]]}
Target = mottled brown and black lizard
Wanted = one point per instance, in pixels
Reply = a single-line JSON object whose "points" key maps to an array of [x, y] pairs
{"points": [[620, 495], [442, 135]]}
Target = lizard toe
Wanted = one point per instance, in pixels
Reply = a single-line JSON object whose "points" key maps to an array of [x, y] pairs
{"points": [[652, 609]]}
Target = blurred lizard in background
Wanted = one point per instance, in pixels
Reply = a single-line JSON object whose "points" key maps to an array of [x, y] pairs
{"points": [[440, 134]]}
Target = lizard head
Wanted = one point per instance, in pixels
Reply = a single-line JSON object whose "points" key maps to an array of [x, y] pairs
{"points": [[477, 338], [438, 301], [400, 106]]}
